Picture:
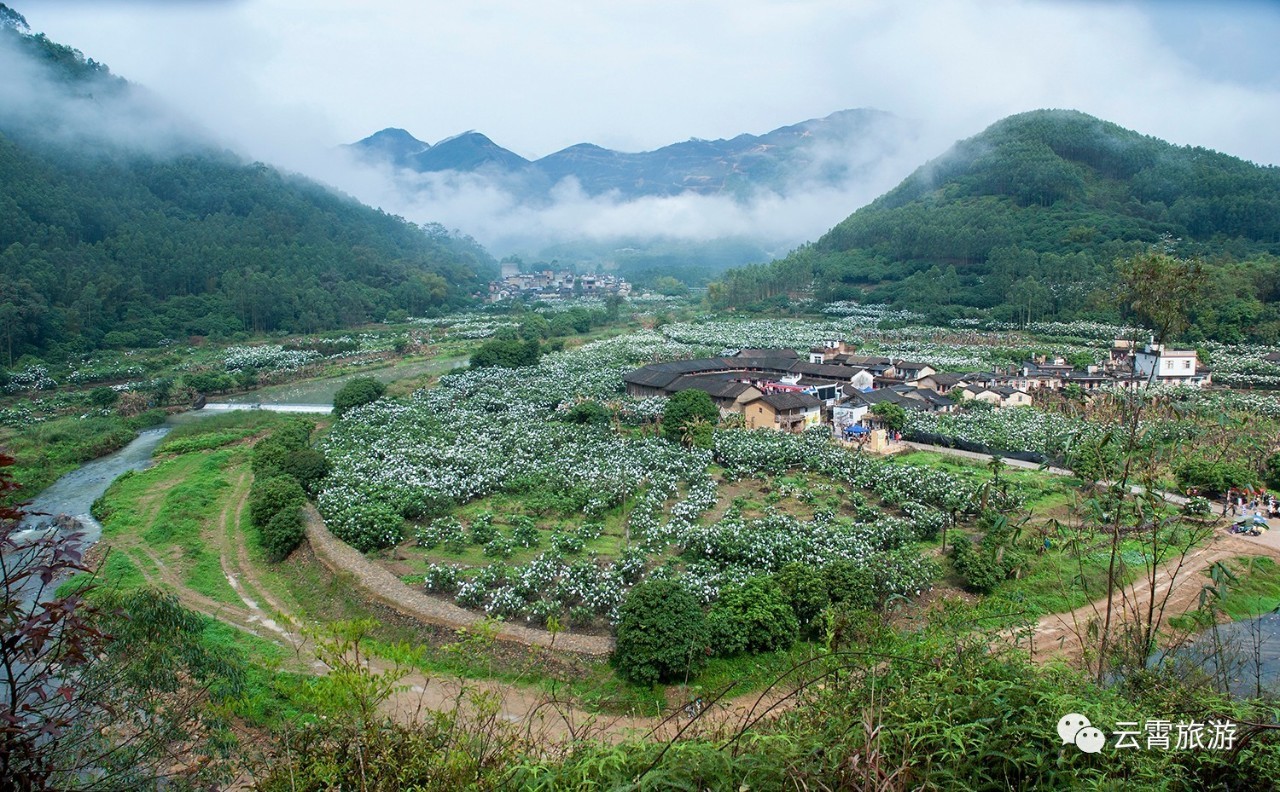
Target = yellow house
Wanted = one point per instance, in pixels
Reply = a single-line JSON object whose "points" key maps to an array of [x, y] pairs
{"points": [[788, 412]]}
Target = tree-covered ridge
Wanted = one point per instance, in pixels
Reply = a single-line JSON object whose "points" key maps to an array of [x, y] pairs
{"points": [[106, 242], [1029, 217]]}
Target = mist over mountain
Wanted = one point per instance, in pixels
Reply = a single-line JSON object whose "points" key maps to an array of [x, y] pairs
{"points": [[121, 224], [774, 190], [830, 151], [1028, 219]]}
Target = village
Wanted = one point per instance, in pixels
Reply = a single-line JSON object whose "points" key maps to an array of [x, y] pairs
{"points": [[834, 385], [552, 285]]}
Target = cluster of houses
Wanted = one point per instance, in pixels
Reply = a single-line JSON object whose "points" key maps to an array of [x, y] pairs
{"points": [[554, 284], [833, 384]]}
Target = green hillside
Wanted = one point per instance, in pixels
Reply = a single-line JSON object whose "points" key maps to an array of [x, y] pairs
{"points": [[113, 235], [1028, 219]]}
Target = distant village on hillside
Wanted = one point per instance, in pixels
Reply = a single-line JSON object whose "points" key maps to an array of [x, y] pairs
{"points": [[834, 385], [553, 285]]}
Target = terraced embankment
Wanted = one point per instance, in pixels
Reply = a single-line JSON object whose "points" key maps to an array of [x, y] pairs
{"points": [[182, 526], [382, 586]]}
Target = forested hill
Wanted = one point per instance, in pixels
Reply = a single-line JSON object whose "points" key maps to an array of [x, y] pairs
{"points": [[118, 228], [1028, 219]]}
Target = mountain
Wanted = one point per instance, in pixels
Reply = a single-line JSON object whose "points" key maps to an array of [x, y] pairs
{"points": [[389, 145], [119, 226], [823, 151], [1029, 217], [469, 151]]}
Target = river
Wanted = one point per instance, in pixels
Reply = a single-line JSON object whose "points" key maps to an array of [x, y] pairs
{"points": [[1252, 645], [74, 493]]}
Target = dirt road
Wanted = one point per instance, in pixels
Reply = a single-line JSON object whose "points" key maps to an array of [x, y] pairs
{"points": [[1176, 586]]}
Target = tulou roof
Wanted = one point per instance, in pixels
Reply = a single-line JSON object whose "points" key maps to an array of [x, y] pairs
{"points": [[791, 401]]}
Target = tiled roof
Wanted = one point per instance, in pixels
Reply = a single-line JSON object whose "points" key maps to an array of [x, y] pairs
{"points": [[712, 386], [791, 401], [775, 352]]}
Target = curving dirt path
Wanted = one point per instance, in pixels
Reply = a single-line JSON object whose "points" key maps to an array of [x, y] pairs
{"points": [[1177, 585], [384, 587], [240, 573]]}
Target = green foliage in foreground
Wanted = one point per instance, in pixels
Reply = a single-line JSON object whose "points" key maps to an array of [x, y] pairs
{"points": [[935, 710], [662, 635]]}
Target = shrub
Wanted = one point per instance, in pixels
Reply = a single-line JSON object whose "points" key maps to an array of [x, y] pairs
{"points": [[269, 496], [1214, 477], [545, 501], [753, 617], [524, 532], [685, 408], [568, 544], [482, 530], [662, 634], [282, 533], [294, 433], [1273, 470], [1096, 461], [927, 522], [369, 526], [850, 584], [980, 570], [588, 412], [357, 391], [103, 396], [308, 466], [507, 353], [441, 578], [805, 590], [499, 547], [269, 457]]}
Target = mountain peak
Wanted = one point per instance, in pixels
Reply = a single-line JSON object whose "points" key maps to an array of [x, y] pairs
{"points": [[467, 152], [392, 144], [777, 160]]}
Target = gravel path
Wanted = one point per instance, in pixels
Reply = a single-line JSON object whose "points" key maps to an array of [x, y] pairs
{"points": [[386, 588], [1011, 462]]}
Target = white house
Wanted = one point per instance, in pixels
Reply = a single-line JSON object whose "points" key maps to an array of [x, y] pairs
{"points": [[1156, 363]]}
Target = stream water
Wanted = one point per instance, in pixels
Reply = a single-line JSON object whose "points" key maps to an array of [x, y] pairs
{"points": [[1251, 648], [74, 493]]}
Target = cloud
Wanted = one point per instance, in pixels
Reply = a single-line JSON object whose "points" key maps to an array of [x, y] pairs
{"points": [[504, 217], [98, 112], [638, 74], [286, 82]]}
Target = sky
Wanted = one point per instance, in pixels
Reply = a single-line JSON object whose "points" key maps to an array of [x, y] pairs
{"points": [[286, 80]]}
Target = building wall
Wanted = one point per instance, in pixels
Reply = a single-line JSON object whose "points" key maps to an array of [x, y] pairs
{"points": [[644, 391], [760, 416]]}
